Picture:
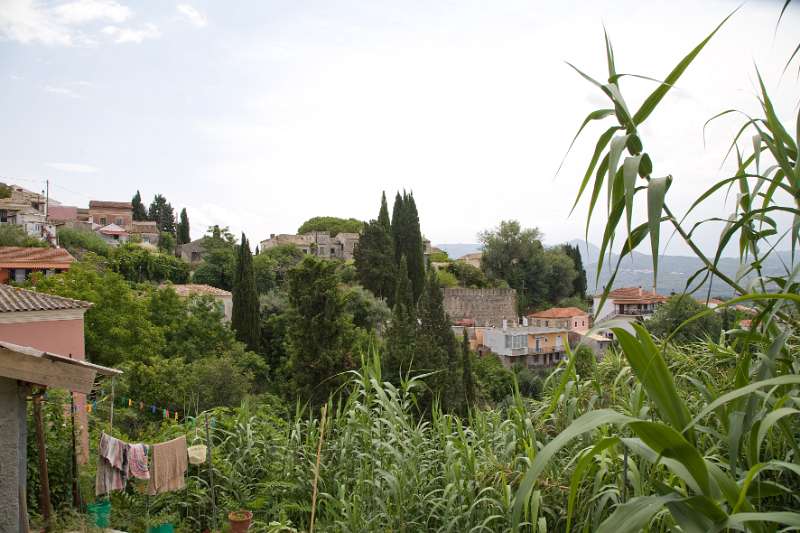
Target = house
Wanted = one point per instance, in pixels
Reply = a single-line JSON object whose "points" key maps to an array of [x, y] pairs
{"points": [[224, 297], [145, 231], [192, 252], [27, 209], [49, 323], [628, 302], [17, 263], [473, 259], [41, 345], [528, 345], [113, 234], [105, 213], [319, 243], [483, 307], [560, 317]]}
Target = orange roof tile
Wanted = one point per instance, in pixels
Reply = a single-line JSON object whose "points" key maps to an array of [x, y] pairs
{"points": [[11, 256], [558, 312], [194, 288], [635, 294], [112, 205]]}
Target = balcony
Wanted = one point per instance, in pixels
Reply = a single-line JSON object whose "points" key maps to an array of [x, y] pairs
{"points": [[516, 352]]}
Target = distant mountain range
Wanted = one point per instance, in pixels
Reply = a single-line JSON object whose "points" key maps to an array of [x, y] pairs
{"points": [[637, 270]]}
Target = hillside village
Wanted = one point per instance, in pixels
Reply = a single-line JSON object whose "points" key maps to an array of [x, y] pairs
{"points": [[160, 375]]}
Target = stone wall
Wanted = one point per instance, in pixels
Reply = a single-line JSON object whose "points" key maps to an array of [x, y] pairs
{"points": [[487, 307]]}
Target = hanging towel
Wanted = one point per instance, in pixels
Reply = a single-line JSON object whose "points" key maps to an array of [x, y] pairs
{"points": [[170, 462], [137, 461], [112, 466]]}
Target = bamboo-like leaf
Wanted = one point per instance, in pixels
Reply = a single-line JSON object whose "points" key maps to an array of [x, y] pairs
{"points": [[768, 421], [656, 96], [597, 114], [577, 474], [614, 153], [602, 142], [582, 424], [777, 517], [656, 191], [630, 171], [635, 515]]}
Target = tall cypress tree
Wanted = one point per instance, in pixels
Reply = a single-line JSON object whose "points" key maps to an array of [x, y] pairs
{"points": [[139, 212], [579, 284], [383, 214], [245, 318], [412, 247], [374, 261], [402, 333], [398, 226], [467, 378], [436, 345], [183, 228], [162, 213]]}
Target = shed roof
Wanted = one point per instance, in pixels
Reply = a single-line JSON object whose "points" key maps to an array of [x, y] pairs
{"points": [[197, 288], [14, 299], [558, 312], [21, 257], [94, 204], [52, 370]]}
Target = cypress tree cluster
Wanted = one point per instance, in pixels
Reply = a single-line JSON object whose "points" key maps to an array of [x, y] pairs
{"points": [[245, 317], [182, 229]]}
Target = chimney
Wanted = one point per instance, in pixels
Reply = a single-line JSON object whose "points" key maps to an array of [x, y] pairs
{"points": [[505, 324], [525, 321]]}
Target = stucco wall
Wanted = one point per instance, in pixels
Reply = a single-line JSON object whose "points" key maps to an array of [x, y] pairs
{"points": [[488, 307], [62, 337], [13, 450]]}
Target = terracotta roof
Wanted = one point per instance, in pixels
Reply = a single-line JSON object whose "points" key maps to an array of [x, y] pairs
{"points": [[558, 312], [14, 255], [14, 299], [193, 288], [635, 294], [113, 205], [112, 229]]}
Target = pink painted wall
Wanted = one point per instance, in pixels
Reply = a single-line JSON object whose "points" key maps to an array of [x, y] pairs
{"points": [[62, 337]]}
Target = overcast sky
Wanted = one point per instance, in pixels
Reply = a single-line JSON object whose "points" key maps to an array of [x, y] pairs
{"points": [[258, 115]]}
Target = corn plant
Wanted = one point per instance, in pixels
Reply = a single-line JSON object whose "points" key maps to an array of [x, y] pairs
{"points": [[703, 447]]}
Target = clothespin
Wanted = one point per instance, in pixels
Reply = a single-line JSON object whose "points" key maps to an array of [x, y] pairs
{"points": [[141, 406], [176, 416], [88, 408], [130, 402]]}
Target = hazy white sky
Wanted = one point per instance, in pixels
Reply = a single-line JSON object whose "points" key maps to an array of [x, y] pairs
{"points": [[258, 115]]}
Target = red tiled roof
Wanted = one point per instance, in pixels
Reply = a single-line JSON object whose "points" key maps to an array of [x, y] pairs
{"points": [[14, 299], [112, 205], [635, 294], [16, 255], [558, 312], [194, 288]]}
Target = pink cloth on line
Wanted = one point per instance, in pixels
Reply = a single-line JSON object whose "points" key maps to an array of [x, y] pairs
{"points": [[112, 471], [137, 461]]}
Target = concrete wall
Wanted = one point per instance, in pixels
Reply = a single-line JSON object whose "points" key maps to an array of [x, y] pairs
{"points": [[488, 307], [13, 455], [62, 337]]}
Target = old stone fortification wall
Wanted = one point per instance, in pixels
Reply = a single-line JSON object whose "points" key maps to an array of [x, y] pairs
{"points": [[488, 307]]}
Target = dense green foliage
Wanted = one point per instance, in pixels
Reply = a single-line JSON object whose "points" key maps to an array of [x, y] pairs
{"points": [[245, 320], [137, 264], [675, 312], [332, 225], [13, 235], [77, 242], [283, 258], [407, 238], [468, 275], [219, 259], [375, 262], [574, 253]]}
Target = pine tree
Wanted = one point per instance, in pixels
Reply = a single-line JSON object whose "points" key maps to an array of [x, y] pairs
{"points": [[374, 261], [436, 345], [320, 337], [183, 235], [139, 212], [467, 379], [162, 214], [402, 332], [398, 227], [245, 316]]}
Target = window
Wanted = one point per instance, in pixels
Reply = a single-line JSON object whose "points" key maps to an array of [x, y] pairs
{"points": [[508, 341], [518, 341], [3, 215], [103, 221], [546, 323], [119, 221], [333, 251]]}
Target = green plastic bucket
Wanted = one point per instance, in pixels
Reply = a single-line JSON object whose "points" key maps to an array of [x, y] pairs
{"points": [[163, 528], [100, 513]]}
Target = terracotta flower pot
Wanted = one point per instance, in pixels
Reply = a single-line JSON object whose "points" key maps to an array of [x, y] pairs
{"points": [[240, 520]]}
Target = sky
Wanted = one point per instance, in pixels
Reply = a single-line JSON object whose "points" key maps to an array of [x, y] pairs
{"points": [[258, 115]]}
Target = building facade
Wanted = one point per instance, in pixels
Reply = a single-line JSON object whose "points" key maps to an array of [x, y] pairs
{"points": [[530, 346], [481, 307], [17, 263], [319, 243], [104, 213], [223, 297], [561, 317]]}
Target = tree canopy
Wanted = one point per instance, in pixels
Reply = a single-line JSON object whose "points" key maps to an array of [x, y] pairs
{"points": [[162, 213], [333, 225], [675, 311]]}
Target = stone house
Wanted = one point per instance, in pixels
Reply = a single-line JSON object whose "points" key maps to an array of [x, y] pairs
{"points": [[560, 317], [319, 243], [146, 230], [105, 213], [473, 259], [28, 210], [224, 297], [192, 252]]}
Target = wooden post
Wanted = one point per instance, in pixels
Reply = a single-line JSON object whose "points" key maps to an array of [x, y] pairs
{"points": [[44, 491], [316, 468], [211, 478]]}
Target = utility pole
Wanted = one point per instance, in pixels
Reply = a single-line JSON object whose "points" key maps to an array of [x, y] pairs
{"points": [[47, 199]]}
